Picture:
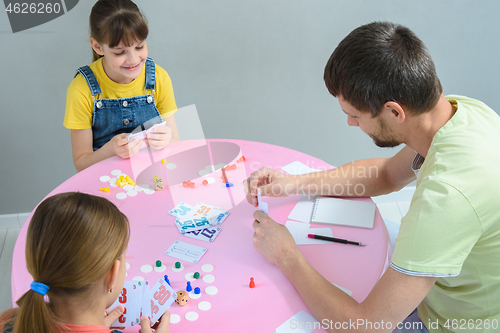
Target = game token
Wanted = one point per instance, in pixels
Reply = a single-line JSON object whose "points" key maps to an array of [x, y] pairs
{"points": [[146, 268], [197, 290], [121, 195], [211, 290], [104, 178], [209, 278], [204, 306], [207, 268], [252, 283], [188, 287], [174, 318], [177, 265], [196, 275], [191, 316], [158, 263]]}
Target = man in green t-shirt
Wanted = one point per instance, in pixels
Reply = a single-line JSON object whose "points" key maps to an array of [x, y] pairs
{"points": [[446, 257]]}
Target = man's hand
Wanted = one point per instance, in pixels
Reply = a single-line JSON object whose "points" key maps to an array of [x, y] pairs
{"points": [[273, 240], [160, 138], [271, 183]]}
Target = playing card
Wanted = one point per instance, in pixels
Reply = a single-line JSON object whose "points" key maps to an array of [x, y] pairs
{"points": [[185, 251], [180, 210], [190, 223], [262, 205], [131, 299], [207, 234], [160, 298]]}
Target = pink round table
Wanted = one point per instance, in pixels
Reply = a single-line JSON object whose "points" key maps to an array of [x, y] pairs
{"points": [[235, 307]]}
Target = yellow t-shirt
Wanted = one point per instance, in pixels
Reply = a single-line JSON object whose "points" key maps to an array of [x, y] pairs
{"points": [[79, 101], [452, 229]]}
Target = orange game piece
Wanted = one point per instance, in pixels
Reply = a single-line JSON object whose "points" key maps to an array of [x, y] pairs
{"points": [[205, 182], [191, 184], [185, 184], [104, 189], [252, 283], [232, 167], [241, 159]]}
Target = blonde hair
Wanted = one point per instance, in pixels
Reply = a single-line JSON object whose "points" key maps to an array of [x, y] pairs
{"points": [[112, 21], [72, 241]]}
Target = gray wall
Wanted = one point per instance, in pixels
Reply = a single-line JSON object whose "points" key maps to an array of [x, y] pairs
{"points": [[253, 68]]}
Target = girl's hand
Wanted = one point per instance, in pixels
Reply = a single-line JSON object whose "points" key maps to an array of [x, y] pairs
{"points": [[160, 138], [110, 317], [162, 328], [123, 148]]}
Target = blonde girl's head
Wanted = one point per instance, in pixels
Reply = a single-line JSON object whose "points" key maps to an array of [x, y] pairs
{"points": [[114, 21], [72, 242]]}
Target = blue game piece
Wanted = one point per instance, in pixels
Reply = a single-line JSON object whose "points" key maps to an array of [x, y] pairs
{"points": [[166, 279], [188, 287], [197, 290], [229, 184]]}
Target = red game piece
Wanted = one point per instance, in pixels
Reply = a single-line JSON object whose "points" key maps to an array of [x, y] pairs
{"points": [[191, 184], [241, 159], [185, 184], [252, 283], [205, 182]]}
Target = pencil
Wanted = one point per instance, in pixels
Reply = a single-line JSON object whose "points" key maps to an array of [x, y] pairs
{"points": [[335, 240]]}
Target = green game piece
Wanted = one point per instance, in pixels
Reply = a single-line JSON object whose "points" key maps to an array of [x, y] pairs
{"points": [[158, 263], [177, 265], [196, 275]]}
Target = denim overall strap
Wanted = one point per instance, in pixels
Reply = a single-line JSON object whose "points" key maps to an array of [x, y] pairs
{"points": [[150, 74], [89, 76]]}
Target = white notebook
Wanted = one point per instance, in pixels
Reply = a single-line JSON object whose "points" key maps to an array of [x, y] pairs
{"points": [[346, 212]]}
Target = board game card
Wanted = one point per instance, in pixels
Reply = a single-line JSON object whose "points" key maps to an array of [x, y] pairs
{"points": [[185, 251], [131, 299], [207, 234], [160, 298], [190, 223], [180, 210], [263, 206]]}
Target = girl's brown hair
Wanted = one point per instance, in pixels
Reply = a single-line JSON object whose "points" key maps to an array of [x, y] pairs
{"points": [[72, 241], [112, 21]]}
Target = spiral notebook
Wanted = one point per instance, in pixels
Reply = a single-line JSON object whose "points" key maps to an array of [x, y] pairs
{"points": [[346, 212]]}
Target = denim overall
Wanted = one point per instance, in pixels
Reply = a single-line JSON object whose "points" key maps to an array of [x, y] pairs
{"points": [[122, 115]]}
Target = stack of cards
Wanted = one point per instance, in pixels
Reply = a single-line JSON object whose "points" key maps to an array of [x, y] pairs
{"points": [[139, 300], [199, 221]]}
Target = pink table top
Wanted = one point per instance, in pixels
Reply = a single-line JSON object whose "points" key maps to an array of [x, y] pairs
{"points": [[235, 307]]}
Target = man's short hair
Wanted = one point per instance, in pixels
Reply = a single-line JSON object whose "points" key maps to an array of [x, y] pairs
{"points": [[381, 62]]}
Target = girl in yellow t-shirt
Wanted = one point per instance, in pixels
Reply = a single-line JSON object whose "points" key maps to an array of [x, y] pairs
{"points": [[121, 92]]}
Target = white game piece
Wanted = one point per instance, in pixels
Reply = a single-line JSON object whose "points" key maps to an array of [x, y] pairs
{"points": [[177, 269], [116, 172], [204, 306], [138, 278], [138, 188], [131, 193], [209, 278], [127, 265], [145, 186], [146, 268], [210, 180], [149, 191], [192, 295], [121, 195], [207, 268], [191, 316], [128, 187], [189, 276], [211, 290], [174, 318], [104, 178], [112, 182], [162, 268], [171, 166]]}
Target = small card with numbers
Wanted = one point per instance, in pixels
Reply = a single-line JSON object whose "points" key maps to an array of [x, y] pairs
{"points": [[131, 298], [180, 210], [185, 251], [207, 234], [160, 298]]}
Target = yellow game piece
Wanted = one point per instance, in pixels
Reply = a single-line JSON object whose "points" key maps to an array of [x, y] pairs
{"points": [[104, 189], [164, 161]]}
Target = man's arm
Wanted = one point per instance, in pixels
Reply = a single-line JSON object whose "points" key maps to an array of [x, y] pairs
{"points": [[392, 299], [363, 178]]}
